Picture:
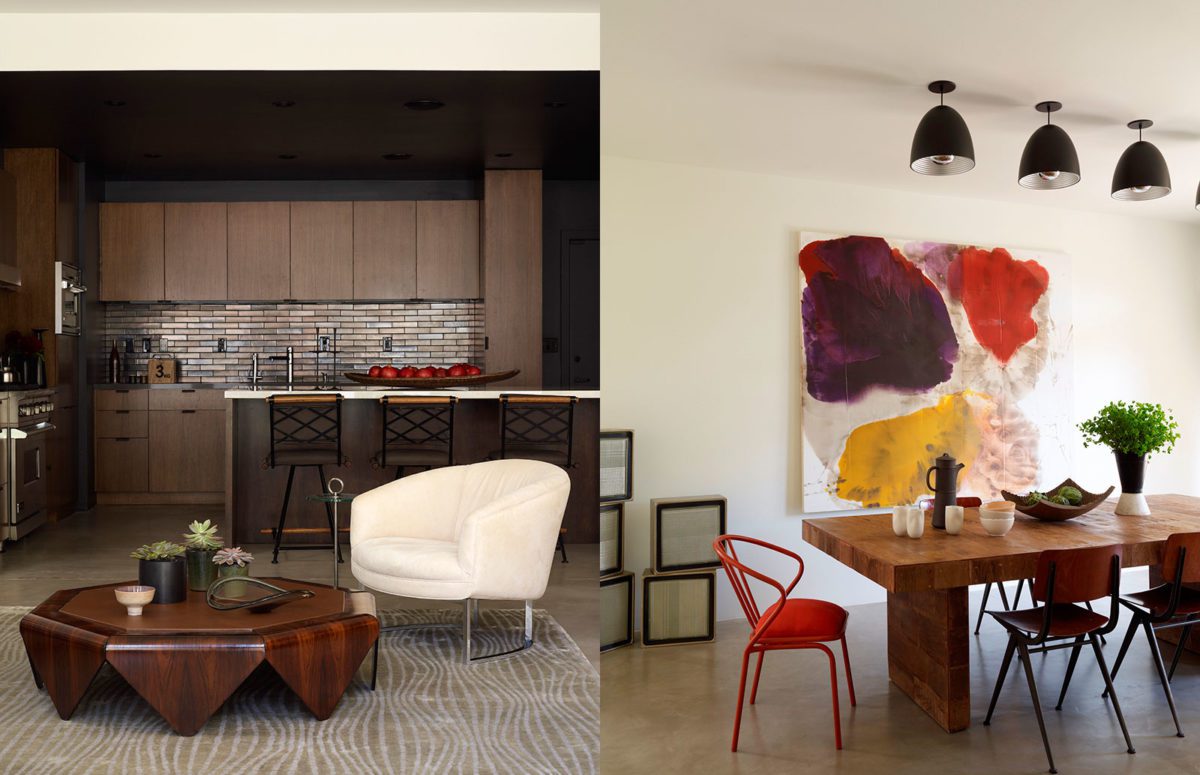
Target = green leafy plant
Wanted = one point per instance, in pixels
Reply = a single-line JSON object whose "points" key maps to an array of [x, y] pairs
{"points": [[159, 550], [1134, 428], [203, 535], [232, 556]]}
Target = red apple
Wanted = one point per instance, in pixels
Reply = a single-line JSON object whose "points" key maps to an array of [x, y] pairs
{"points": [[456, 370], [389, 372], [441, 371], [408, 372], [374, 371], [424, 373], [473, 371]]}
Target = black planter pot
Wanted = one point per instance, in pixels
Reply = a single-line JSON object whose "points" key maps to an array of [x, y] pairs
{"points": [[168, 577], [1131, 469]]}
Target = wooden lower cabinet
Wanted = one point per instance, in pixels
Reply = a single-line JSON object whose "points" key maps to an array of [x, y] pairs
{"points": [[121, 465], [61, 463], [187, 450]]}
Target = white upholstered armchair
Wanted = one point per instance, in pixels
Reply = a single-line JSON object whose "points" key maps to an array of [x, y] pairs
{"points": [[485, 531]]}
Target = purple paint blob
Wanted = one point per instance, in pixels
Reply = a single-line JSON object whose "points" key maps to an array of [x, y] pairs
{"points": [[871, 319]]}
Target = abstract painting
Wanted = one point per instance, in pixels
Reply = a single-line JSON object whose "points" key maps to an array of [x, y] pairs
{"points": [[915, 348]]}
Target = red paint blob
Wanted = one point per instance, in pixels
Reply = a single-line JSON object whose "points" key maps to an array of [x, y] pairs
{"points": [[998, 294]]}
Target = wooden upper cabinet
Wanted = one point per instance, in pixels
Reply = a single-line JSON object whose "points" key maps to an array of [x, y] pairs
{"points": [[385, 250], [512, 272], [195, 249], [448, 249], [322, 250], [131, 251], [259, 251]]}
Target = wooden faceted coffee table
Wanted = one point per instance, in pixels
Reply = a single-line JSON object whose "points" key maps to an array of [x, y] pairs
{"points": [[185, 659]]}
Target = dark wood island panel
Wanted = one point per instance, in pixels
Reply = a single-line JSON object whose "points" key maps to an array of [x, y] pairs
{"points": [[255, 493]]}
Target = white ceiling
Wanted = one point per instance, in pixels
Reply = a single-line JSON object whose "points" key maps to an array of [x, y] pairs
{"points": [[834, 89], [299, 6]]}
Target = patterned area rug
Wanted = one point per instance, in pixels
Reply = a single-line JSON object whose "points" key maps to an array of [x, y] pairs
{"points": [[537, 712]]}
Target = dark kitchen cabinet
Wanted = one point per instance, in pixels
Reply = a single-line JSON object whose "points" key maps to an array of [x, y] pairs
{"points": [[195, 249], [186, 450], [512, 274], [260, 251], [120, 465], [448, 249], [322, 260], [132, 264], [385, 250]]}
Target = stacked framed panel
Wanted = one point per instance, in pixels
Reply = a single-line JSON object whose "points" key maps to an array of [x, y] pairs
{"points": [[612, 538], [616, 466], [679, 592], [616, 584], [616, 611]]}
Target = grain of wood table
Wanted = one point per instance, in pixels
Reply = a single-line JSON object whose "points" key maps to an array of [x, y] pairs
{"points": [[926, 580], [186, 658]]}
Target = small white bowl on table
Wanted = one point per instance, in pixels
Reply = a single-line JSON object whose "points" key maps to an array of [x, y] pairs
{"points": [[996, 521]]}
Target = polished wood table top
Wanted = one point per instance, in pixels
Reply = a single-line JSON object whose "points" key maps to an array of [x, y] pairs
{"points": [[938, 560], [186, 658]]}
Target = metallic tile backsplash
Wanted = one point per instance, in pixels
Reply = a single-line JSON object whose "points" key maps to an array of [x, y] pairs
{"points": [[437, 333]]}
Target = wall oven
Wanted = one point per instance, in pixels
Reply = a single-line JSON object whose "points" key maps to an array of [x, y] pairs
{"points": [[68, 299], [24, 431]]}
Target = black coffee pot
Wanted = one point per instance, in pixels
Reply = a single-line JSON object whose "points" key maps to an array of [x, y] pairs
{"points": [[944, 486]]}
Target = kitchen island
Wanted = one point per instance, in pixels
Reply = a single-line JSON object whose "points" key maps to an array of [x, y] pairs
{"points": [[254, 492]]}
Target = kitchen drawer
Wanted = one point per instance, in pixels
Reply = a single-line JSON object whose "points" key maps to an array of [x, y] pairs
{"points": [[119, 399], [187, 398], [187, 451], [121, 465], [120, 423]]}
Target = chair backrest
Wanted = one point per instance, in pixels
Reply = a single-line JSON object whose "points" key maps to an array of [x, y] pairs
{"points": [[539, 421], [1077, 575], [740, 573], [418, 421], [1185, 546], [307, 421]]}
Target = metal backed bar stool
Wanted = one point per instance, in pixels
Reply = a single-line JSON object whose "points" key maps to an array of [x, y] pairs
{"points": [[306, 432], [538, 428], [418, 432]]}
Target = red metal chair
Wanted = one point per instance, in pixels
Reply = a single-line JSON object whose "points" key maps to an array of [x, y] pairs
{"points": [[1064, 578], [1167, 606], [787, 624]]}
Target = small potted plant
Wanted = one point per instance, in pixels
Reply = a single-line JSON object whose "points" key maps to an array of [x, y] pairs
{"points": [[202, 542], [1132, 431], [232, 562], [161, 565]]}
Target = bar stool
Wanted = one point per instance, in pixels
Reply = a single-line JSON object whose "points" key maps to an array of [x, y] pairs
{"points": [[306, 432], [418, 432], [538, 428]]}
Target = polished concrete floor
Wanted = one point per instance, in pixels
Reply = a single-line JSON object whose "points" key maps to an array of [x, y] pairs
{"points": [[92, 547], [670, 710]]}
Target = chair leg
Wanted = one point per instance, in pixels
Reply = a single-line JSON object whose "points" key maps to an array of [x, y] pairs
{"points": [[1037, 704], [1003, 596], [762, 655], [1133, 625], [287, 495], [1162, 674], [1088, 603], [1111, 691], [333, 536], [987, 590], [849, 675], [562, 548], [1017, 597], [1008, 655], [1070, 671], [837, 711], [737, 716], [399, 473], [1183, 638], [469, 610], [375, 665]]}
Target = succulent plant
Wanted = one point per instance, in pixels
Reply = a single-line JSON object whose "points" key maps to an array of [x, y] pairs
{"points": [[159, 550], [203, 535], [232, 556]]}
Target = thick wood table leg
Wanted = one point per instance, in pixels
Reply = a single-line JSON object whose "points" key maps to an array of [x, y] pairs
{"points": [[928, 655], [65, 659], [318, 661]]}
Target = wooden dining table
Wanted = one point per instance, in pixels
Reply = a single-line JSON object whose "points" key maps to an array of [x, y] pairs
{"points": [[928, 624]]}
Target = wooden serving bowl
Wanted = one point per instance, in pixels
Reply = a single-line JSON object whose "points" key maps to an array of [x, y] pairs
{"points": [[1053, 512], [363, 378]]}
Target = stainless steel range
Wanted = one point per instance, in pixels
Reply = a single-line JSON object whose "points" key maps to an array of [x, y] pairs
{"points": [[24, 428]]}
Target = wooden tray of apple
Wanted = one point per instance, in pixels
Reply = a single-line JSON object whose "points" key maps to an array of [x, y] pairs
{"points": [[458, 375]]}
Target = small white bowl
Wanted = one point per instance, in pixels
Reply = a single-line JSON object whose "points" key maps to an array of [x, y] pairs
{"points": [[134, 597], [996, 525]]}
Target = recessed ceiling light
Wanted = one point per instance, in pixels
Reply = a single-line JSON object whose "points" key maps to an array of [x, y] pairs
{"points": [[283, 103], [554, 104], [288, 156], [425, 103], [152, 155], [503, 155], [115, 103], [397, 156]]}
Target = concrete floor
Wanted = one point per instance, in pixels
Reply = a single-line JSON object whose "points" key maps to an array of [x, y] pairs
{"points": [[670, 710], [92, 547]]}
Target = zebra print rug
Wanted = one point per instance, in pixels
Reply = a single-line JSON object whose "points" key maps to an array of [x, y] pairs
{"points": [[538, 712]]}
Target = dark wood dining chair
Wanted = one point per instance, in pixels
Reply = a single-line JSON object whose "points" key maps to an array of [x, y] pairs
{"points": [[1165, 607], [788, 623], [1065, 578]]}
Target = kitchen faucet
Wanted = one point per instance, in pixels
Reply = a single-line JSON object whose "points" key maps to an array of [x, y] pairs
{"points": [[290, 362]]}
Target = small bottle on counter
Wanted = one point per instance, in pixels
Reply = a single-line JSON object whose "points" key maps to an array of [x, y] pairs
{"points": [[114, 365]]}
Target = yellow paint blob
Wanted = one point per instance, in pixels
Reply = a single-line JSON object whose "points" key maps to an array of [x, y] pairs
{"points": [[885, 461]]}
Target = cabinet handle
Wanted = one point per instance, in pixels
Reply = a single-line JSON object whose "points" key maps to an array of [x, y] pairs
{"points": [[188, 390], [120, 391], [122, 411], [187, 411], [121, 439]]}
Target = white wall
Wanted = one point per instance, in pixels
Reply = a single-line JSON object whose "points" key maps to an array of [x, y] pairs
{"points": [[302, 41], [700, 338]]}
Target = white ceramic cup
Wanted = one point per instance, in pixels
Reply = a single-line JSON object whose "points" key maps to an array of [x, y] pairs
{"points": [[954, 520], [916, 521], [900, 520]]}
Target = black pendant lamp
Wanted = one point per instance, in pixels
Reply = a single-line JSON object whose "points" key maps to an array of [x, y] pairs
{"points": [[1049, 160], [1141, 171], [942, 144]]}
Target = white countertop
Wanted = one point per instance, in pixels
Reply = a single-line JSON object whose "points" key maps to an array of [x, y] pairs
{"points": [[463, 394]]}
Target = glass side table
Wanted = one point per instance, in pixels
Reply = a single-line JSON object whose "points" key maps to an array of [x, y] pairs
{"points": [[335, 496]]}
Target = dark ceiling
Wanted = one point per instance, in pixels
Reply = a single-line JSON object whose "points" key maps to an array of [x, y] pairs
{"points": [[226, 126]]}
